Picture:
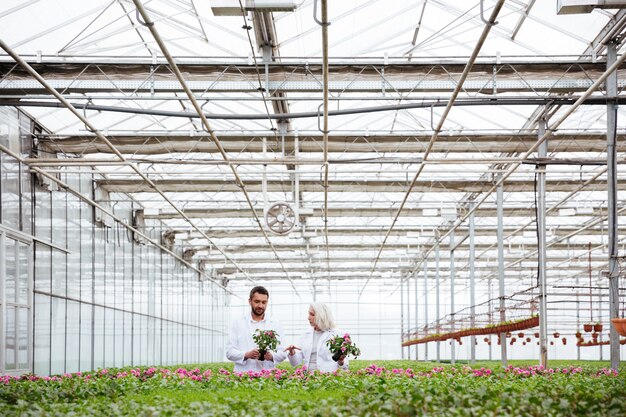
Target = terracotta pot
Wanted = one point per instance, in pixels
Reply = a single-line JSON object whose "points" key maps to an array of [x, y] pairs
{"points": [[588, 327], [620, 326], [578, 335], [597, 328], [537, 335], [556, 335]]}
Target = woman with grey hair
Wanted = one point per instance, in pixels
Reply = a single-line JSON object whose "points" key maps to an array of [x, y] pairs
{"points": [[312, 350]]}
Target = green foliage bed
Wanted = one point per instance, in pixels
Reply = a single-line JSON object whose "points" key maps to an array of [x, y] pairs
{"points": [[399, 388]]}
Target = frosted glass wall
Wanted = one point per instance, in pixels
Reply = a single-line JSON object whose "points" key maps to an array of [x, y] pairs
{"points": [[101, 299]]}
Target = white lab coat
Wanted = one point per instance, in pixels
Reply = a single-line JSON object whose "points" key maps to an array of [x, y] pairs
{"points": [[325, 362], [240, 341]]}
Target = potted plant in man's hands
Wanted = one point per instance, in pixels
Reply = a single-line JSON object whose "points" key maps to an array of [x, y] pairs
{"points": [[342, 346], [266, 340]]}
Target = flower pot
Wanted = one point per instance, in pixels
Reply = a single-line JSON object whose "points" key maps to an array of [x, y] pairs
{"points": [[620, 326], [556, 335], [597, 327], [336, 356], [262, 354], [536, 335], [588, 327], [578, 335]]}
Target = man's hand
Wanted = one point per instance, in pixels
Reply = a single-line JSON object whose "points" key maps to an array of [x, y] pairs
{"points": [[292, 349], [340, 361], [252, 354], [268, 356]]}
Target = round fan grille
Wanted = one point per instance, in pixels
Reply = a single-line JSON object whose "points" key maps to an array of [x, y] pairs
{"points": [[280, 218]]}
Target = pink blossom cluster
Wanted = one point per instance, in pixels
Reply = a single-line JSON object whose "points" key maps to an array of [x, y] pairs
{"points": [[198, 375], [264, 373], [607, 372], [541, 370]]}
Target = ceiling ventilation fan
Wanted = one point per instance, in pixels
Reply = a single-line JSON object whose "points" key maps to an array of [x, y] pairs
{"points": [[280, 218]]}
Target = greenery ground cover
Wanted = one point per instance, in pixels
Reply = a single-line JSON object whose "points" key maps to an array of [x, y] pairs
{"points": [[400, 388]]}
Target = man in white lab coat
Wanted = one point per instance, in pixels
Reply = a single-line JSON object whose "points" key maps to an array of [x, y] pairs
{"points": [[241, 348]]}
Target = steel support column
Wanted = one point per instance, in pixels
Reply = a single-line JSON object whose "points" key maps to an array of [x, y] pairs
{"points": [[611, 121], [541, 247], [437, 300], [500, 234], [472, 256], [452, 308], [425, 305], [402, 315]]}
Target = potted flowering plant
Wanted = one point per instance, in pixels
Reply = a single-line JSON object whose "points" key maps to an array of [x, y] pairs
{"points": [[342, 346], [266, 340]]}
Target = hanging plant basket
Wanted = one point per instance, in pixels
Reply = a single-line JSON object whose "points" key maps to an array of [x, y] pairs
{"points": [[537, 335], [620, 326], [578, 335], [556, 335], [564, 340], [588, 327], [597, 327]]}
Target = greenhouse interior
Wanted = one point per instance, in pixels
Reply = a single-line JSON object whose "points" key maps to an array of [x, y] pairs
{"points": [[440, 181]]}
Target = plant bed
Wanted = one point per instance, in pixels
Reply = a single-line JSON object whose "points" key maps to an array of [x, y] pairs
{"points": [[391, 391]]}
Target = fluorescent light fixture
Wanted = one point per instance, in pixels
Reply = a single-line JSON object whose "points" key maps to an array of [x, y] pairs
{"points": [[305, 211], [567, 212], [181, 236], [150, 212], [584, 210], [430, 212], [587, 6], [233, 7]]}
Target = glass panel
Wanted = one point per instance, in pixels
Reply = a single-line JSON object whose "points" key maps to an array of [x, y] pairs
{"points": [[72, 346], [10, 339], [43, 221], [127, 330], [22, 279], [86, 261], [59, 273], [109, 338], [11, 270], [99, 265], [22, 338], [57, 354], [43, 267], [85, 337], [73, 245], [27, 204], [59, 218], [118, 334], [42, 334], [9, 176], [98, 342]]}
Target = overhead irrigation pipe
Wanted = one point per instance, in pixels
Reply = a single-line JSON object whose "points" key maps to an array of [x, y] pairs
{"points": [[549, 131], [174, 67], [495, 101], [91, 202], [104, 139], [457, 90]]}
